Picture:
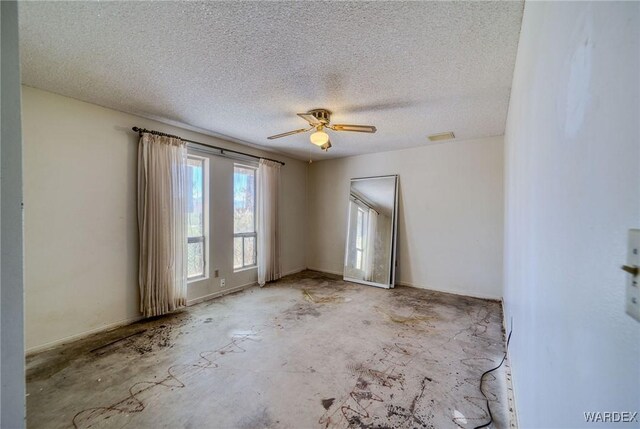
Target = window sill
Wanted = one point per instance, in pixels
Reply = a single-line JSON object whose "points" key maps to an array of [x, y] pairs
{"points": [[239, 270], [197, 279]]}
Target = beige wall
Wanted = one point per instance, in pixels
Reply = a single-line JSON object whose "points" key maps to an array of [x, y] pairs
{"points": [[81, 251], [450, 221]]}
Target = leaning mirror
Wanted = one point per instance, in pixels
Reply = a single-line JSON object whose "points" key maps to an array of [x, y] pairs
{"points": [[371, 231]]}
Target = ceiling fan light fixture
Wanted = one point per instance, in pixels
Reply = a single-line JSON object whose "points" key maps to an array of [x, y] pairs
{"points": [[319, 138]]}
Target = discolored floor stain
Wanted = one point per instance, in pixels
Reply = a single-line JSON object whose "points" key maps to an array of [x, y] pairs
{"points": [[326, 403], [136, 338], [316, 298], [259, 419], [310, 350]]}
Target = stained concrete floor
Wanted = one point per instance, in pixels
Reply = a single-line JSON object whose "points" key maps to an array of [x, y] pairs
{"points": [[309, 351]]}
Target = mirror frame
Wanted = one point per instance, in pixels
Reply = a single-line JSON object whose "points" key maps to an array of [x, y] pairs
{"points": [[394, 233]]}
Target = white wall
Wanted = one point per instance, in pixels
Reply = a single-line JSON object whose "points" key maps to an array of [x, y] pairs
{"points": [[12, 392], [450, 224], [81, 237], [572, 191]]}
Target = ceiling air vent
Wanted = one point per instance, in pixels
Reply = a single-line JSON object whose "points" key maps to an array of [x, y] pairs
{"points": [[442, 136]]}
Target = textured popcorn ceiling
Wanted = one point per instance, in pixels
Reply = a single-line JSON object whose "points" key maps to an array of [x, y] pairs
{"points": [[244, 69]]}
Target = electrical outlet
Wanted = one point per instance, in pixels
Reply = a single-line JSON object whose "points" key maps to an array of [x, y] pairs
{"points": [[222, 282], [633, 276]]}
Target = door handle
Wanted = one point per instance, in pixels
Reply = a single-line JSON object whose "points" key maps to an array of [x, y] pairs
{"points": [[631, 269]]}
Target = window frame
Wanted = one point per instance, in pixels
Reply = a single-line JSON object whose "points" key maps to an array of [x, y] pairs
{"points": [[360, 250], [254, 233], [205, 221]]}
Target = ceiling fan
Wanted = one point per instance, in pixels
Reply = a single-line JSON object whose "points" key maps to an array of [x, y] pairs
{"points": [[319, 119]]}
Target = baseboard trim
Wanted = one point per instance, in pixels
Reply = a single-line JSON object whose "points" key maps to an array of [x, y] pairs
{"points": [[511, 393], [402, 283], [115, 325], [294, 271], [75, 337], [219, 294], [337, 273], [453, 292]]}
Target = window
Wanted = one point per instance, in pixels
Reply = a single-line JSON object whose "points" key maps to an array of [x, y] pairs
{"points": [[360, 236], [196, 217], [244, 217]]}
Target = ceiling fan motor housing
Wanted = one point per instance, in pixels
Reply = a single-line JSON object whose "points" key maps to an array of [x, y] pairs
{"points": [[322, 115]]}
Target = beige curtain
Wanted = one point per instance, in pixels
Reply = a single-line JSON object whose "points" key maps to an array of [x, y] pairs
{"points": [[162, 210], [268, 222], [370, 245]]}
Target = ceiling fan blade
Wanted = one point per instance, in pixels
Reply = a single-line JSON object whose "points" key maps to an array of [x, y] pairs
{"points": [[289, 133], [312, 120], [356, 128]]}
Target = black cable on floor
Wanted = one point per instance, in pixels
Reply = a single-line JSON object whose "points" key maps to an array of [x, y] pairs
{"points": [[482, 379]]}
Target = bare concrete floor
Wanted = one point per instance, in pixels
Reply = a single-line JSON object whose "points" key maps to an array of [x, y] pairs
{"points": [[310, 351]]}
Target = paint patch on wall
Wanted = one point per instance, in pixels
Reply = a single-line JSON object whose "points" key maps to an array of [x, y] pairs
{"points": [[578, 95]]}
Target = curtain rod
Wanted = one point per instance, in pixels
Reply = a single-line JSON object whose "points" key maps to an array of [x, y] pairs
{"points": [[355, 197], [221, 149]]}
